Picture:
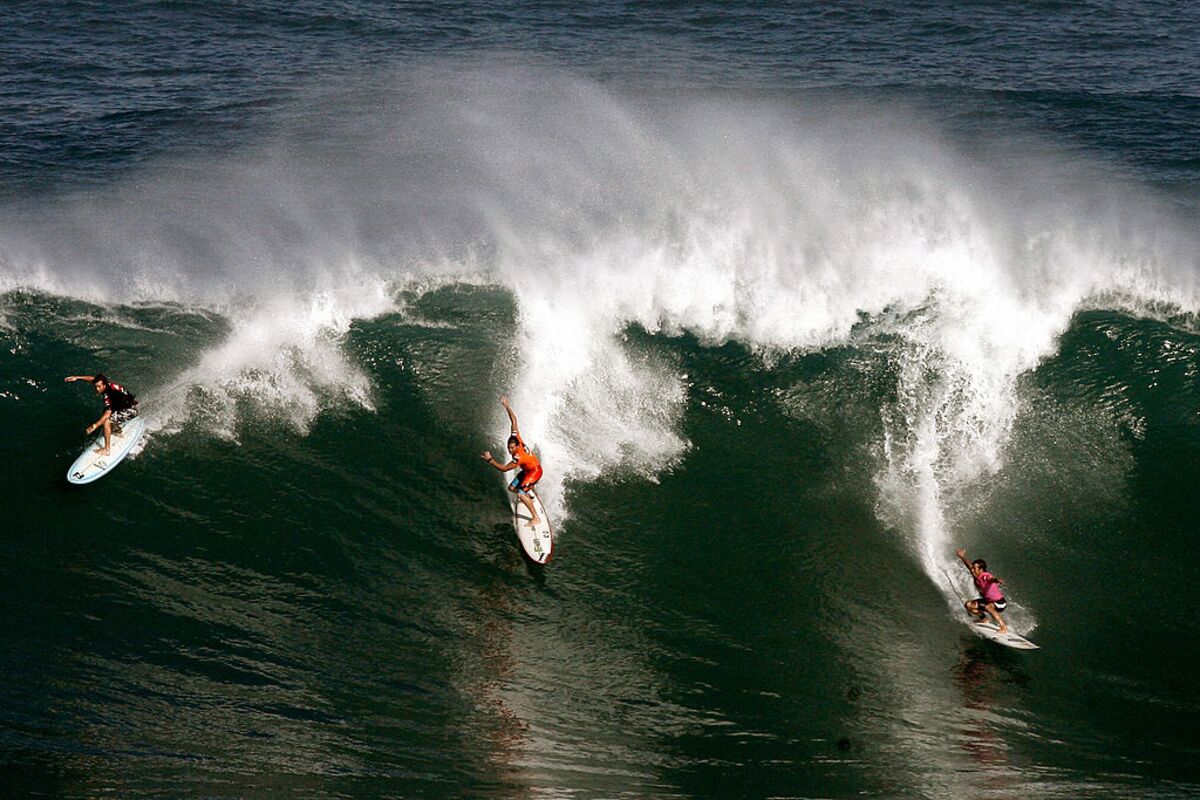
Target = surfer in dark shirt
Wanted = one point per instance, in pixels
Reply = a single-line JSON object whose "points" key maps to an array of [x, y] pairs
{"points": [[119, 406]]}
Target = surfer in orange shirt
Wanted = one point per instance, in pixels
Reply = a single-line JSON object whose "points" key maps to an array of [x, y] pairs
{"points": [[527, 462]]}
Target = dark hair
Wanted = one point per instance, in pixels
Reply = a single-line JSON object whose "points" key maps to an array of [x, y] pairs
{"points": [[513, 439], [99, 377], [979, 562]]}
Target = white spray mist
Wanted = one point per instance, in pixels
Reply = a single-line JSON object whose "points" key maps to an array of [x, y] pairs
{"points": [[775, 222]]}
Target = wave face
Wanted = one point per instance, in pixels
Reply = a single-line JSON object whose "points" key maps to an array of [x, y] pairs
{"points": [[778, 226], [781, 351]]}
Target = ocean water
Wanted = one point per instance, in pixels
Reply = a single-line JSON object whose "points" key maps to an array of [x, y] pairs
{"points": [[792, 300]]}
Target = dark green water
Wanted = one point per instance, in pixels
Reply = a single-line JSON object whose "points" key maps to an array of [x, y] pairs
{"points": [[346, 611]]}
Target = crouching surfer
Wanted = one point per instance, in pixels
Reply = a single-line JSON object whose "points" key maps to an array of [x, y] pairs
{"points": [[119, 406], [522, 459], [991, 600]]}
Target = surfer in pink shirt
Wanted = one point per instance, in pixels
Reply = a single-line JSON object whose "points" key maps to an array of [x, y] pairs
{"points": [[991, 600]]}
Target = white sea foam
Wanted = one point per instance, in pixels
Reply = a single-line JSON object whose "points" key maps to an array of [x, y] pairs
{"points": [[282, 355]]}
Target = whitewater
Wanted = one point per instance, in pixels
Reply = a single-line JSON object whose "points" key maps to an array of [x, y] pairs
{"points": [[786, 227]]}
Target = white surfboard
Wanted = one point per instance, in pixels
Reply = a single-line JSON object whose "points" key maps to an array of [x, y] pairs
{"points": [[537, 541], [92, 466], [989, 630]]}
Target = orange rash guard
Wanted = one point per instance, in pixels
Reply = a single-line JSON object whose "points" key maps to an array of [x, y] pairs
{"points": [[531, 468]]}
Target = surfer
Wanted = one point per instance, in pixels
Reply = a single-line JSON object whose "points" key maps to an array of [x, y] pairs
{"points": [[990, 601], [119, 406], [527, 462]]}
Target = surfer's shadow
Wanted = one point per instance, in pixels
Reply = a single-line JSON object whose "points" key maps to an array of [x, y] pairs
{"points": [[983, 665], [508, 557]]}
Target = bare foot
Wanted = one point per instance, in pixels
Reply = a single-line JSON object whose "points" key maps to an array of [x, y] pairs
{"points": [[102, 451], [533, 523], [1004, 629]]}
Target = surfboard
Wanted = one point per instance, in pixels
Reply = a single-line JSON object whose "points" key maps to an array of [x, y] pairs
{"points": [[91, 466], [538, 541], [990, 631]]}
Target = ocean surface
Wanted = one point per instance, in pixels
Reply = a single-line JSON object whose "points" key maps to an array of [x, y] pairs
{"points": [[791, 299]]}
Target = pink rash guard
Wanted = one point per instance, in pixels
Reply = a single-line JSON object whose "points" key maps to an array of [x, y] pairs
{"points": [[989, 588]]}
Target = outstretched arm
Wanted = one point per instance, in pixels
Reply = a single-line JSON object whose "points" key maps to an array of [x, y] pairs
{"points": [[73, 378], [962, 556], [512, 416], [487, 456]]}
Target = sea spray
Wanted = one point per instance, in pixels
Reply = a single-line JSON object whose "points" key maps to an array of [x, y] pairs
{"points": [[284, 356], [782, 223]]}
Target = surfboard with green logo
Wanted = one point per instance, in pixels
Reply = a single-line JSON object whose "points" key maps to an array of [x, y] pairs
{"points": [[537, 541]]}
